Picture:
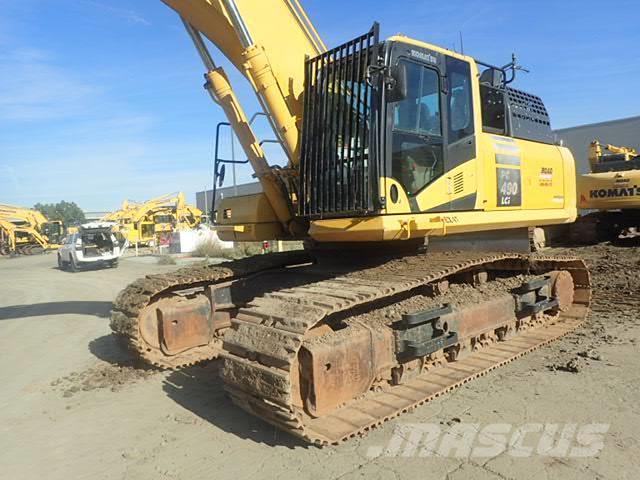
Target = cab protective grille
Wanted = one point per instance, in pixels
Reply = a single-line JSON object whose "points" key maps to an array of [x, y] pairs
{"points": [[337, 172]]}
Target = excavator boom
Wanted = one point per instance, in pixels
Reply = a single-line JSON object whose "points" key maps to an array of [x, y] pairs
{"points": [[251, 34]]}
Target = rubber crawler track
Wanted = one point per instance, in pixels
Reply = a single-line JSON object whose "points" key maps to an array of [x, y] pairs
{"points": [[261, 347]]}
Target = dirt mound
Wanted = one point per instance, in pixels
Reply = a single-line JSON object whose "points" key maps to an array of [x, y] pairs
{"points": [[616, 301], [113, 377]]}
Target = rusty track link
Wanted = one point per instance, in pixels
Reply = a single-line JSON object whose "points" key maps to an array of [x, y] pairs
{"points": [[143, 292], [260, 349]]}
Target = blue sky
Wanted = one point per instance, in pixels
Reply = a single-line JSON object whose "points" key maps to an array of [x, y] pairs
{"points": [[102, 100]]}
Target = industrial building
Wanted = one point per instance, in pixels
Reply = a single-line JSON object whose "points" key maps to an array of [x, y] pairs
{"points": [[203, 199]]}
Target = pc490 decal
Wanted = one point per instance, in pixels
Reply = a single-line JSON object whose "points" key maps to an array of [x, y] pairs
{"points": [[509, 187]]}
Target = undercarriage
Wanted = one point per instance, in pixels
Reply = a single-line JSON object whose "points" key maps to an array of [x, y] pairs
{"points": [[329, 347]]}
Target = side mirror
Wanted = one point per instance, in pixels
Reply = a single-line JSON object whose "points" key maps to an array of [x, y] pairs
{"points": [[221, 174], [397, 83]]}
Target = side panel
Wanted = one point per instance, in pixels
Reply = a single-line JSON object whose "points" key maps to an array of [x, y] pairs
{"points": [[543, 172], [520, 174]]}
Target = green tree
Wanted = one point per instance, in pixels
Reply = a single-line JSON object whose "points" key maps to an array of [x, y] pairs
{"points": [[68, 212]]}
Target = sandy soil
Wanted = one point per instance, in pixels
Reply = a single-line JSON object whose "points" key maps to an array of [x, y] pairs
{"points": [[73, 406]]}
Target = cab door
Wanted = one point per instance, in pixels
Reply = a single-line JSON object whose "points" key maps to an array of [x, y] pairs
{"points": [[416, 139], [460, 136]]}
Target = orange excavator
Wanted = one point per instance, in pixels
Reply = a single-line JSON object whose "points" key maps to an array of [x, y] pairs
{"points": [[415, 175]]}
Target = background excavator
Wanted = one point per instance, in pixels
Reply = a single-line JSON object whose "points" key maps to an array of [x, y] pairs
{"points": [[144, 223], [26, 231], [392, 145], [613, 189]]}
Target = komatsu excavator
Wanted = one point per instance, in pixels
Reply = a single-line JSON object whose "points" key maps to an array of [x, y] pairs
{"points": [[612, 187], [414, 176], [26, 231], [143, 223]]}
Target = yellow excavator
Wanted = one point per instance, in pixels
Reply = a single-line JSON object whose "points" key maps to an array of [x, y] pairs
{"points": [[27, 231], [143, 223], [414, 177], [612, 187]]}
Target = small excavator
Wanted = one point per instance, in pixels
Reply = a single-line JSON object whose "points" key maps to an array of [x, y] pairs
{"points": [[414, 177], [27, 231], [613, 189], [143, 223]]}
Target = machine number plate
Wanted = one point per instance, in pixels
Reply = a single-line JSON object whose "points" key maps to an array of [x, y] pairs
{"points": [[509, 187]]}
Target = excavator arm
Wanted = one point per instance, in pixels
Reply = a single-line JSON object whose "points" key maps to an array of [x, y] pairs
{"points": [[33, 217], [596, 152], [268, 43]]}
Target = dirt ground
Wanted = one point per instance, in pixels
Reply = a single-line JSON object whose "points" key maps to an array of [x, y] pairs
{"points": [[72, 406]]}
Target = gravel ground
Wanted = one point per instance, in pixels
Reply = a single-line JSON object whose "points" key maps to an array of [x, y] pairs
{"points": [[72, 405]]}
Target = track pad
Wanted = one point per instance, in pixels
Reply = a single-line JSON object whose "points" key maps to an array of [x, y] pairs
{"points": [[338, 367], [184, 324]]}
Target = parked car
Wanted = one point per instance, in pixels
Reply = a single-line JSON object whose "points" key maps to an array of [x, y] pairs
{"points": [[93, 244]]}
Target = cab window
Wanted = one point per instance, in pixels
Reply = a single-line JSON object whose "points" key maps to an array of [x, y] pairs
{"points": [[420, 112], [460, 105], [417, 157]]}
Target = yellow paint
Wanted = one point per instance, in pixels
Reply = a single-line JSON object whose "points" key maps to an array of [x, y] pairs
{"points": [[405, 226], [219, 85], [247, 218], [609, 190]]}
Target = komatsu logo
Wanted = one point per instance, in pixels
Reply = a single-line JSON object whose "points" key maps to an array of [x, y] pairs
{"points": [[615, 192], [425, 57]]}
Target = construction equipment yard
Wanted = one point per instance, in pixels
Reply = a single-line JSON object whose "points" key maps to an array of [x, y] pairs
{"points": [[76, 405], [424, 278]]}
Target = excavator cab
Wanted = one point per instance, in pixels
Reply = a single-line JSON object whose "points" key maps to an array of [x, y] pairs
{"points": [[407, 129], [54, 231]]}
